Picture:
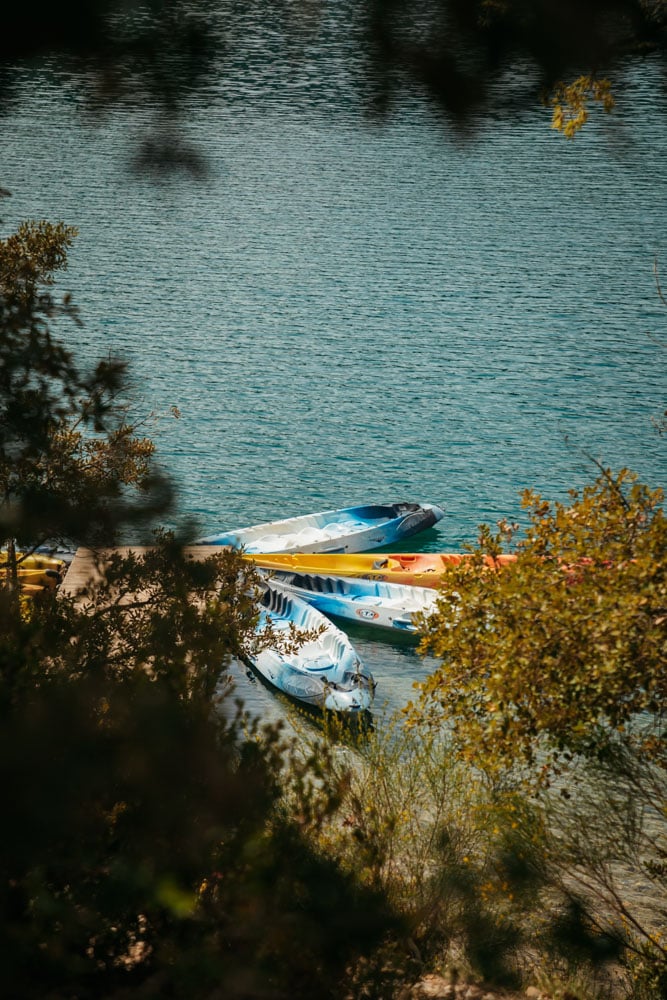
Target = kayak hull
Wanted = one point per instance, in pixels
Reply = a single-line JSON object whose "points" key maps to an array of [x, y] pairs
{"points": [[34, 574], [323, 673], [419, 569], [375, 603], [350, 529]]}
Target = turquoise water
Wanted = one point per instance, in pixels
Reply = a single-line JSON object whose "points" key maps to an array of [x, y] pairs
{"points": [[346, 312]]}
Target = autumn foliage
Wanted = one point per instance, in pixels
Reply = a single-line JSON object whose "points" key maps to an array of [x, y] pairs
{"points": [[567, 647]]}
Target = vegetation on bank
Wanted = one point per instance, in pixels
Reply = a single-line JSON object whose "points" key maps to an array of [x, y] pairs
{"points": [[517, 814], [144, 848], [153, 846]]}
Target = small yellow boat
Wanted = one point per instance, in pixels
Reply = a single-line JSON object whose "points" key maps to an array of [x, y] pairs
{"points": [[34, 561], [418, 569], [32, 590], [50, 578], [35, 573]]}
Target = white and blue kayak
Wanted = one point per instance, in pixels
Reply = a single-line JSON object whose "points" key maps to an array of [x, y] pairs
{"points": [[351, 529], [369, 602], [324, 672]]}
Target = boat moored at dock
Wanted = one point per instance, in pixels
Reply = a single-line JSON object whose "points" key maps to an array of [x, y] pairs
{"points": [[369, 602], [418, 569], [324, 672], [350, 529]]}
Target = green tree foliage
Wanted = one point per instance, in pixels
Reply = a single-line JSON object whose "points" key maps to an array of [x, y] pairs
{"points": [[553, 674], [567, 646], [72, 463], [30, 256], [144, 846], [157, 611]]}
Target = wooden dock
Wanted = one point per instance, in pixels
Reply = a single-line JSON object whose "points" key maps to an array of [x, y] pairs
{"points": [[83, 570]]}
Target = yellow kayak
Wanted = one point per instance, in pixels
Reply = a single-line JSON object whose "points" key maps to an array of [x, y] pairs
{"points": [[419, 569], [31, 589], [35, 577], [38, 562], [35, 573]]}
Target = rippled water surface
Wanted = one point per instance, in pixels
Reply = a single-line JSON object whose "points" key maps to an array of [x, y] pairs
{"points": [[346, 312]]}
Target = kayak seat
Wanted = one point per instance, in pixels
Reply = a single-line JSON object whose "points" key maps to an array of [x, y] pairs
{"points": [[307, 535], [338, 528]]}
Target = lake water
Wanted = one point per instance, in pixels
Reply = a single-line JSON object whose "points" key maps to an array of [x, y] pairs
{"points": [[345, 311]]}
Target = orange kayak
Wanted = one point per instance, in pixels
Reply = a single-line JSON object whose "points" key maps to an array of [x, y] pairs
{"points": [[419, 569]]}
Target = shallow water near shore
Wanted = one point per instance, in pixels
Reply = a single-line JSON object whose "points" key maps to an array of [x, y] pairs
{"points": [[347, 312]]}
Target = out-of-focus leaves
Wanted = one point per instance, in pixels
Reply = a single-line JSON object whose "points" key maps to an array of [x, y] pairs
{"points": [[566, 646], [73, 464], [470, 57], [140, 847], [144, 847]]}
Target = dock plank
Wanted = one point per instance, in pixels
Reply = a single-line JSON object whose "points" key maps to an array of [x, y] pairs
{"points": [[82, 570]]}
